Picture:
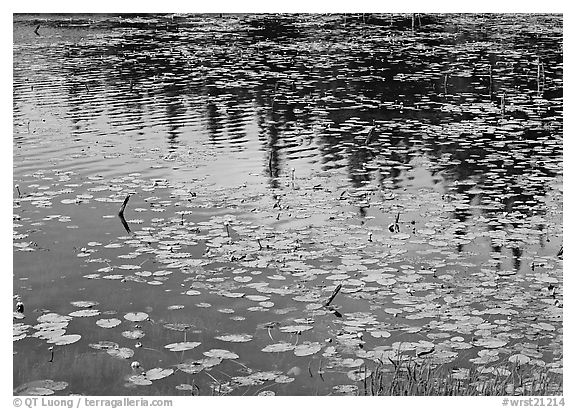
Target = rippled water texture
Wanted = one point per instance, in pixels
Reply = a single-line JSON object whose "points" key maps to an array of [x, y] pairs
{"points": [[410, 166]]}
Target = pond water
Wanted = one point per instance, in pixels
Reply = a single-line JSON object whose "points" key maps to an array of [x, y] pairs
{"points": [[412, 166]]}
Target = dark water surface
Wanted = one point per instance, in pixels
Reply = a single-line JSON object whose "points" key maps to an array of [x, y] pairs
{"points": [[270, 159]]}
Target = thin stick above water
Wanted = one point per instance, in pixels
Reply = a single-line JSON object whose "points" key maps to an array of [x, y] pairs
{"points": [[334, 294], [121, 211], [121, 215]]}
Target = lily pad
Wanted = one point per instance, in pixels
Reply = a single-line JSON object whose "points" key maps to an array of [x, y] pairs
{"points": [[490, 343], [158, 373], [221, 353], [108, 322], [235, 338], [140, 380], [136, 316], [296, 328], [280, 347], [306, 349], [104, 345], [122, 353], [84, 313], [266, 393], [43, 387], [519, 359], [197, 366], [135, 334], [37, 391], [65, 339], [380, 334], [359, 374], [84, 304], [182, 346]]}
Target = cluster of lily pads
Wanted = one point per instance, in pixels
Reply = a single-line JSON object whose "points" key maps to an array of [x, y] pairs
{"points": [[398, 295]]}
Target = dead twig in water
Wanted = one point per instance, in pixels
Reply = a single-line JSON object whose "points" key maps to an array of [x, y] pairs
{"points": [[121, 211], [270, 165], [334, 294], [371, 134], [395, 227], [121, 214], [490, 83]]}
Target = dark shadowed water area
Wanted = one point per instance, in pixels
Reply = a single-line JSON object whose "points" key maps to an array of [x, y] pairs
{"points": [[410, 165]]}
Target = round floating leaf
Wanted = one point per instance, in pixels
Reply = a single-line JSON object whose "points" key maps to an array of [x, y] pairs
{"points": [[307, 349], [136, 334], [267, 393], [38, 391], [104, 345], [386, 281], [129, 267], [232, 295], [519, 359], [136, 316], [19, 329], [359, 374], [296, 328], [346, 389], [351, 362], [380, 334], [221, 353], [265, 375], [235, 338], [257, 297], [182, 346], [177, 326], [42, 387], [158, 373], [283, 379], [65, 339], [490, 343], [139, 380], [55, 385], [544, 326], [108, 322], [84, 313], [280, 347], [123, 353], [114, 277], [84, 304], [193, 367], [505, 273]]}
